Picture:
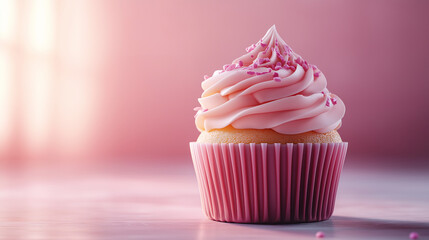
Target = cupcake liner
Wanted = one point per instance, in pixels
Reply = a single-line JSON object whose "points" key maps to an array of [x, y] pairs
{"points": [[268, 183]]}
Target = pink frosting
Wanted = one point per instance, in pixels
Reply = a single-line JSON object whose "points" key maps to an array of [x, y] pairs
{"points": [[270, 87]]}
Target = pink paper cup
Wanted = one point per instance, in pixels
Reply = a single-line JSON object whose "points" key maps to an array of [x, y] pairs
{"points": [[268, 183]]}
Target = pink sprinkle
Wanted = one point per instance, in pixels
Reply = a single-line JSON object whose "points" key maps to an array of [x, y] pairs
{"points": [[316, 74], [263, 44], [225, 67], [275, 74], [280, 56], [240, 63], [277, 79], [205, 110], [328, 103], [251, 72], [261, 73], [206, 77], [197, 108], [230, 67], [278, 68], [266, 50], [263, 60], [251, 56], [293, 68], [288, 49], [320, 234], [334, 101], [305, 66], [250, 48], [414, 235]]}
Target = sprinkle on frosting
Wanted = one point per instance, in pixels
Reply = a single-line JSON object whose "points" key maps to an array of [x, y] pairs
{"points": [[316, 74], [250, 48], [242, 95], [230, 67]]}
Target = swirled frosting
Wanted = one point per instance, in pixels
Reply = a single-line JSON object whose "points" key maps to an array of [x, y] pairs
{"points": [[270, 87]]}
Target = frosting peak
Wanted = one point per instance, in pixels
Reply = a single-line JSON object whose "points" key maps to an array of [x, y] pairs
{"points": [[269, 87]]}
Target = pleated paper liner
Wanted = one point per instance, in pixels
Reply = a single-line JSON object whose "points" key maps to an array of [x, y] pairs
{"points": [[268, 183]]}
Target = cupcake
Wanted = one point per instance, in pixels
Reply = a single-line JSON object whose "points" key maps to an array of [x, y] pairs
{"points": [[269, 150]]}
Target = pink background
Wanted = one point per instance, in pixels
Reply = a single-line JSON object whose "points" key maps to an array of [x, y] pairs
{"points": [[119, 79]]}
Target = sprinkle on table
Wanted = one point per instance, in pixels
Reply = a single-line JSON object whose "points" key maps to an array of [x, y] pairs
{"points": [[414, 235], [320, 234]]}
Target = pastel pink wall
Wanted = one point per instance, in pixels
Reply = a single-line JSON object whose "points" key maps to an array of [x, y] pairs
{"points": [[124, 76]]}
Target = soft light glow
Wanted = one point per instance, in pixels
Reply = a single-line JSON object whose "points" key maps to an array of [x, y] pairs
{"points": [[7, 35], [7, 20], [37, 96], [37, 86], [75, 110], [6, 67], [40, 26]]}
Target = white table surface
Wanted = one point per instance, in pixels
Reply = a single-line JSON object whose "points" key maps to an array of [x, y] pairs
{"points": [[161, 201]]}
